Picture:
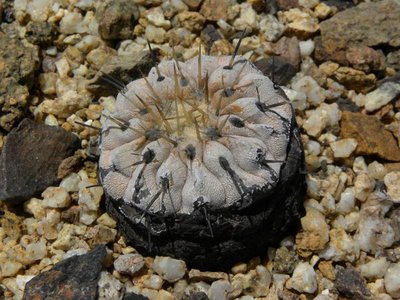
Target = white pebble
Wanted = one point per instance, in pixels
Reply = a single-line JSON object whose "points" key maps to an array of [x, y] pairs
{"points": [[271, 28], [375, 268], [129, 263], [307, 84], [36, 251], [153, 281], [55, 197], [303, 279], [71, 182], [392, 280], [392, 183], [22, 280], [219, 290], [377, 170], [382, 95], [306, 47], [168, 268], [325, 115], [51, 120], [344, 147], [347, 201]]}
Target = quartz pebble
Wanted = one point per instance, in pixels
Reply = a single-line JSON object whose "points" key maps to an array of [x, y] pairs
{"points": [[56, 197], [344, 147], [219, 290], [392, 280], [129, 263], [392, 180], [303, 279], [318, 119], [315, 94], [271, 28], [381, 96], [169, 269], [109, 286], [376, 268]]}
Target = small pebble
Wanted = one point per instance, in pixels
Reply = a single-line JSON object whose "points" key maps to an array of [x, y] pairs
{"points": [[343, 148], [168, 268], [56, 197], [303, 279], [129, 264]]}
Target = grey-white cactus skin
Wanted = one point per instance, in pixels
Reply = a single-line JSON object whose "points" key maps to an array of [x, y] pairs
{"points": [[202, 160]]}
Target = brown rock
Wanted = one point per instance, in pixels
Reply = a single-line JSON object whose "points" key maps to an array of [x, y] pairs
{"points": [[365, 59], [371, 136], [370, 24], [221, 47], [191, 20], [346, 38], [214, 10], [30, 159], [327, 269], [355, 80], [117, 19], [289, 50], [74, 278]]}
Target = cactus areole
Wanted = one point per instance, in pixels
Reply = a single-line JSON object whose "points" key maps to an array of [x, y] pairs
{"points": [[202, 160]]}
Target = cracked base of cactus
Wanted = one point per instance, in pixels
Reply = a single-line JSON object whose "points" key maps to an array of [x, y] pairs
{"points": [[202, 160]]}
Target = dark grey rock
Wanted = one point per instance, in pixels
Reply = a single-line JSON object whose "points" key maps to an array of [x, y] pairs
{"points": [[117, 19], [210, 35], [30, 159], [277, 68], [347, 105], [74, 278], [349, 283]]}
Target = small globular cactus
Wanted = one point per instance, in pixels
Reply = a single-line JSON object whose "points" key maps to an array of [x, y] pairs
{"points": [[202, 160]]}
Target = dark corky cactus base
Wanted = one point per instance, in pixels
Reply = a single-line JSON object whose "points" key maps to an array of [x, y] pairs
{"points": [[235, 234]]}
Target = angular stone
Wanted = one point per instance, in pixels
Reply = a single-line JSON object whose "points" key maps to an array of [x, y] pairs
{"points": [[289, 50], [30, 159], [215, 10], [117, 19], [355, 80], [370, 24], [74, 278], [350, 284], [371, 136], [277, 68]]}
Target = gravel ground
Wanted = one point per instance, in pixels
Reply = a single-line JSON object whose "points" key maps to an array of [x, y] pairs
{"points": [[337, 61]]}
